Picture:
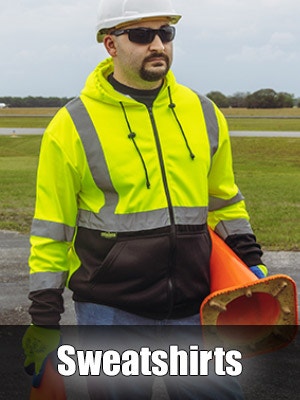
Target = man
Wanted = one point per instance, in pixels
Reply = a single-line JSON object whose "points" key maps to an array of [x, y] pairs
{"points": [[131, 174]]}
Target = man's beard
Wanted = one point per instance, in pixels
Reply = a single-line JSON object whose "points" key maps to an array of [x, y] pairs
{"points": [[154, 75]]}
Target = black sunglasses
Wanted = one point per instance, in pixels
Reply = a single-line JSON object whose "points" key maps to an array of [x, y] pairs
{"points": [[147, 35]]}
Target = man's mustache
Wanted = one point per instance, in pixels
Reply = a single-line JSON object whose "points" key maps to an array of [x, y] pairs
{"points": [[156, 56]]}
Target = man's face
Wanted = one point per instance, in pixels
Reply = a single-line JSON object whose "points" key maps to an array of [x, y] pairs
{"points": [[142, 66]]}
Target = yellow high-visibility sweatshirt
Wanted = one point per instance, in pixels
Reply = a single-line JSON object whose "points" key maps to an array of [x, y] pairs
{"points": [[124, 196]]}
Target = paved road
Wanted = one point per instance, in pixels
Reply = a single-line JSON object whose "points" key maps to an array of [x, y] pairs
{"points": [[21, 131], [269, 377], [14, 251]]}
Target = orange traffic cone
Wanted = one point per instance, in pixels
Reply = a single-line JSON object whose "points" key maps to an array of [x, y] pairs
{"points": [[52, 386], [255, 315]]}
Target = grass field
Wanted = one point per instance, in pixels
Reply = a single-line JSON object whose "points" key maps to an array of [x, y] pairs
{"points": [[282, 119], [243, 119], [262, 112], [267, 172], [18, 163], [237, 112], [24, 122], [263, 124], [239, 119], [26, 117]]}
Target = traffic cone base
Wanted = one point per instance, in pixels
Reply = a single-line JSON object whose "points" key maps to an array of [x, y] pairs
{"points": [[265, 301], [255, 315], [257, 318]]}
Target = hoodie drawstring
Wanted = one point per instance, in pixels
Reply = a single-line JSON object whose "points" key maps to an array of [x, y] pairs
{"points": [[132, 136], [172, 107]]}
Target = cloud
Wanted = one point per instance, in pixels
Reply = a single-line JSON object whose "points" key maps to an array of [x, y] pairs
{"points": [[48, 47], [283, 38], [276, 49]]}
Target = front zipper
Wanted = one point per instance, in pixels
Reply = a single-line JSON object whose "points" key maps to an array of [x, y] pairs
{"points": [[162, 166], [171, 211]]}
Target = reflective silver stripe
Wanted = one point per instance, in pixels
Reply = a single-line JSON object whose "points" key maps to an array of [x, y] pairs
{"points": [[211, 121], [47, 280], [52, 230], [215, 203], [190, 215], [95, 156], [234, 227], [143, 220], [124, 222]]}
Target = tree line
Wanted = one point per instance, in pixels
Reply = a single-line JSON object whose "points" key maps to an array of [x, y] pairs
{"points": [[263, 98]]}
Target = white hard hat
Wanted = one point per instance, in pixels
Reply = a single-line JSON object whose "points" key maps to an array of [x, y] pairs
{"points": [[112, 13]]}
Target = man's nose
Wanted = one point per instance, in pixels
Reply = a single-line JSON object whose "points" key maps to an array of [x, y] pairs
{"points": [[157, 44]]}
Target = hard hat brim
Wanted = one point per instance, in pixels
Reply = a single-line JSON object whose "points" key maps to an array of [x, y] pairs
{"points": [[173, 19]]}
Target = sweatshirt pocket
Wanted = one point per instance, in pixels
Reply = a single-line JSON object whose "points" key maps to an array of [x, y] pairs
{"points": [[95, 251], [131, 260], [134, 262]]}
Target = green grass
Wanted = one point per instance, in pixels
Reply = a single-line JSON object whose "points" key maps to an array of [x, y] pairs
{"points": [[263, 119], [263, 124], [24, 122], [18, 164], [235, 124], [20, 146], [239, 119], [267, 172], [262, 112]]}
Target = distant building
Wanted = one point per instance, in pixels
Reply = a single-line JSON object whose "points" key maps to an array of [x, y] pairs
{"points": [[3, 105]]}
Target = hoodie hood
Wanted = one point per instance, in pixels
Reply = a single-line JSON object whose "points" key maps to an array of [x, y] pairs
{"points": [[98, 88]]}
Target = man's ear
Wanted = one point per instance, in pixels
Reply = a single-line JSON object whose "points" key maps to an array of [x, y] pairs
{"points": [[110, 46]]}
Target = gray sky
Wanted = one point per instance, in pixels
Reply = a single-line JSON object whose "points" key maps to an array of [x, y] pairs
{"points": [[48, 47]]}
